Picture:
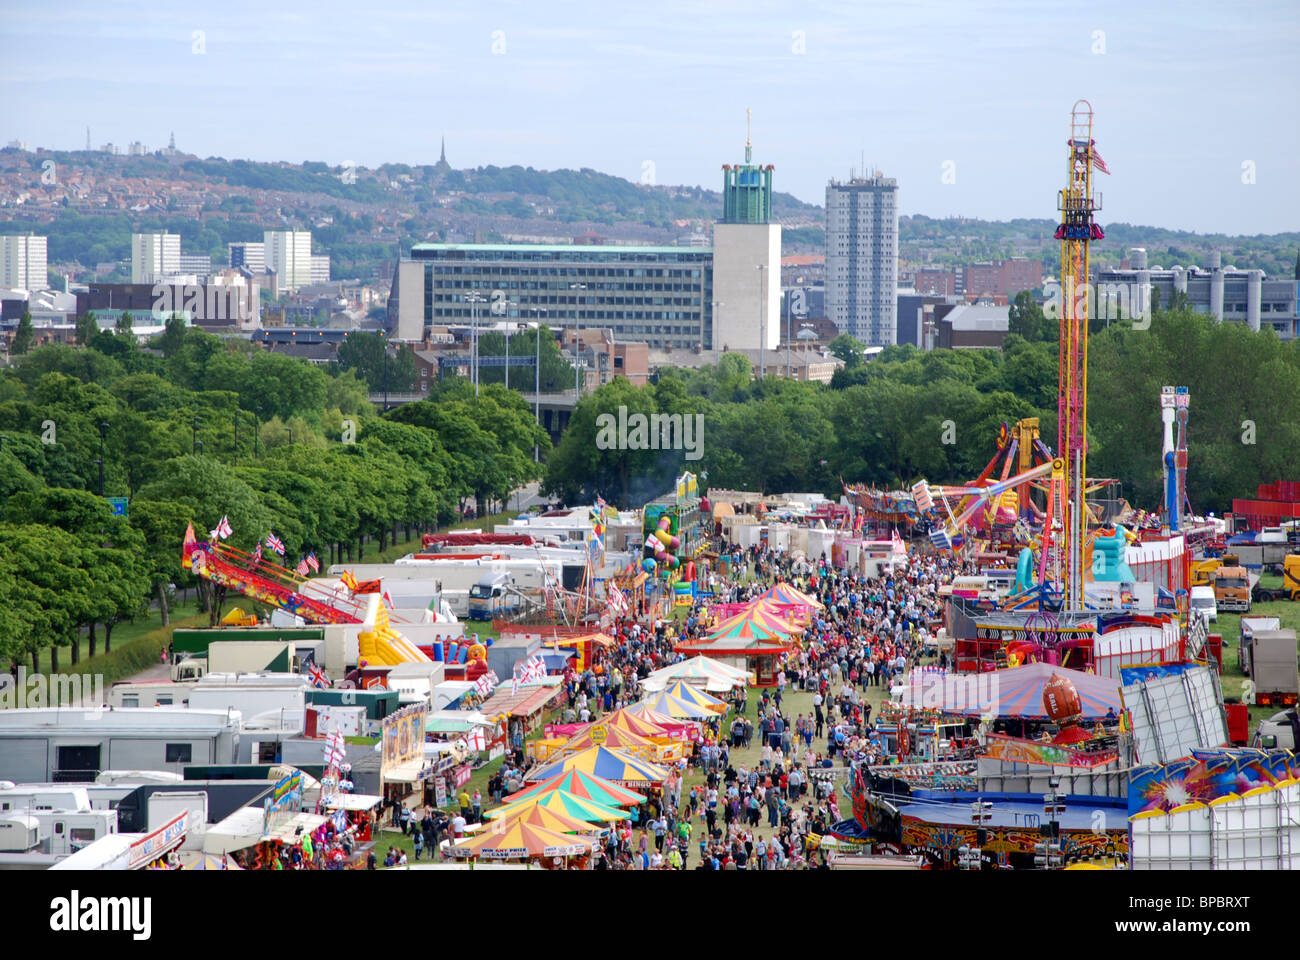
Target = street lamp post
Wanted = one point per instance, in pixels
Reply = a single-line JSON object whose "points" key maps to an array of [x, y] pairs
{"points": [[577, 346], [474, 298], [537, 377]]}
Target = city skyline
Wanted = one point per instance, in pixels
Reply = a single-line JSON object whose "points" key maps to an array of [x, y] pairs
{"points": [[966, 107]]}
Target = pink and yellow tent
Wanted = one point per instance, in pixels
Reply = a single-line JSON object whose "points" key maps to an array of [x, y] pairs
{"points": [[584, 785], [616, 765], [564, 803], [518, 840], [784, 593]]}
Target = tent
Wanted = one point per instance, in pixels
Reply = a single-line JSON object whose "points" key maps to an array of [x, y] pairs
{"points": [[609, 735], [693, 695], [623, 768], [563, 802], [683, 728], [517, 840], [669, 705], [550, 818], [1016, 693], [760, 621], [783, 594], [701, 671], [584, 785]]}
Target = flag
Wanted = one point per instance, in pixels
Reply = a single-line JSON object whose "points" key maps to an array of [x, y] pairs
{"points": [[302, 567], [318, 676], [349, 580], [275, 543], [1097, 161], [387, 599], [224, 530], [257, 554], [313, 562]]}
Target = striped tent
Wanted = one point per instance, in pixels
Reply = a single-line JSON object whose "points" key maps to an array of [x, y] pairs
{"points": [[677, 708], [760, 621], [785, 594], [584, 785], [564, 803], [623, 768], [701, 671], [694, 695], [605, 734], [544, 812], [518, 840]]}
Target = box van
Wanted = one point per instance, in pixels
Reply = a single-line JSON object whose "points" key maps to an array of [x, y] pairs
{"points": [[1203, 602]]}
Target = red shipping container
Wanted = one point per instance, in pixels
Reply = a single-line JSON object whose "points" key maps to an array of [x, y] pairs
{"points": [[1238, 723]]}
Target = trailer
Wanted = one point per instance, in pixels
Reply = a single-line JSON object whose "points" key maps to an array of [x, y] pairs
{"points": [[1273, 668]]}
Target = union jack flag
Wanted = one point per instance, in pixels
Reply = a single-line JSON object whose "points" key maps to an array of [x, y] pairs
{"points": [[319, 677], [275, 543], [257, 554]]}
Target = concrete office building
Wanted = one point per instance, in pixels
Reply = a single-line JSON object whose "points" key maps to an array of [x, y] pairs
{"points": [[658, 295], [320, 268], [154, 256], [196, 264], [288, 253], [1241, 296], [250, 255], [23, 263], [862, 257], [747, 261]]}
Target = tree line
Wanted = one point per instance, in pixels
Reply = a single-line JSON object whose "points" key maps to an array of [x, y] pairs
{"points": [[193, 428], [908, 415]]}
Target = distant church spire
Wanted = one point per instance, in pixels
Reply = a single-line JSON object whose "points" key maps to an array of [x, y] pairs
{"points": [[87, 138], [442, 158]]}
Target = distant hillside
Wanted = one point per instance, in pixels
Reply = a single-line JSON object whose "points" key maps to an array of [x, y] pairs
{"points": [[363, 216]]}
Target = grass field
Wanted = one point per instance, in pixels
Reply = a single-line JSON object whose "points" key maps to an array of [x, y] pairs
{"points": [[1229, 625]]}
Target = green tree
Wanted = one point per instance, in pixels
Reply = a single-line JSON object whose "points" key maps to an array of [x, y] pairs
{"points": [[23, 336], [1026, 318], [373, 359], [124, 323], [847, 348], [87, 327]]}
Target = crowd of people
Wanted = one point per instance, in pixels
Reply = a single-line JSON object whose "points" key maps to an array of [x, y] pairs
{"points": [[767, 813]]}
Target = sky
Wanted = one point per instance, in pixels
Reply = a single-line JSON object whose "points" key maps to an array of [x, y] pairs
{"points": [[966, 103]]}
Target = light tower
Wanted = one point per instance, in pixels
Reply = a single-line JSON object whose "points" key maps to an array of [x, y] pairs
{"points": [[1076, 232]]}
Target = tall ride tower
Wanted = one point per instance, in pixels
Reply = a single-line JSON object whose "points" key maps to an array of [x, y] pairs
{"points": [[1076, 232]]}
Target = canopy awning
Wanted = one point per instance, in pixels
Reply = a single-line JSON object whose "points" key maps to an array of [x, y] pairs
{"points": [[352, 801]]}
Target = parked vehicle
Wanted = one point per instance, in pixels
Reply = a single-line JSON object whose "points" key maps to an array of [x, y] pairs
{"points": [[1203, 602]]}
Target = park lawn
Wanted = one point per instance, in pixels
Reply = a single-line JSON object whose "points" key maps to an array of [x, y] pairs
{"points": [[1229, 625], [136, 644]]}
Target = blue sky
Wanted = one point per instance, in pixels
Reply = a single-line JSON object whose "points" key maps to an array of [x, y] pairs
{"points": [[1185, 93]]}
